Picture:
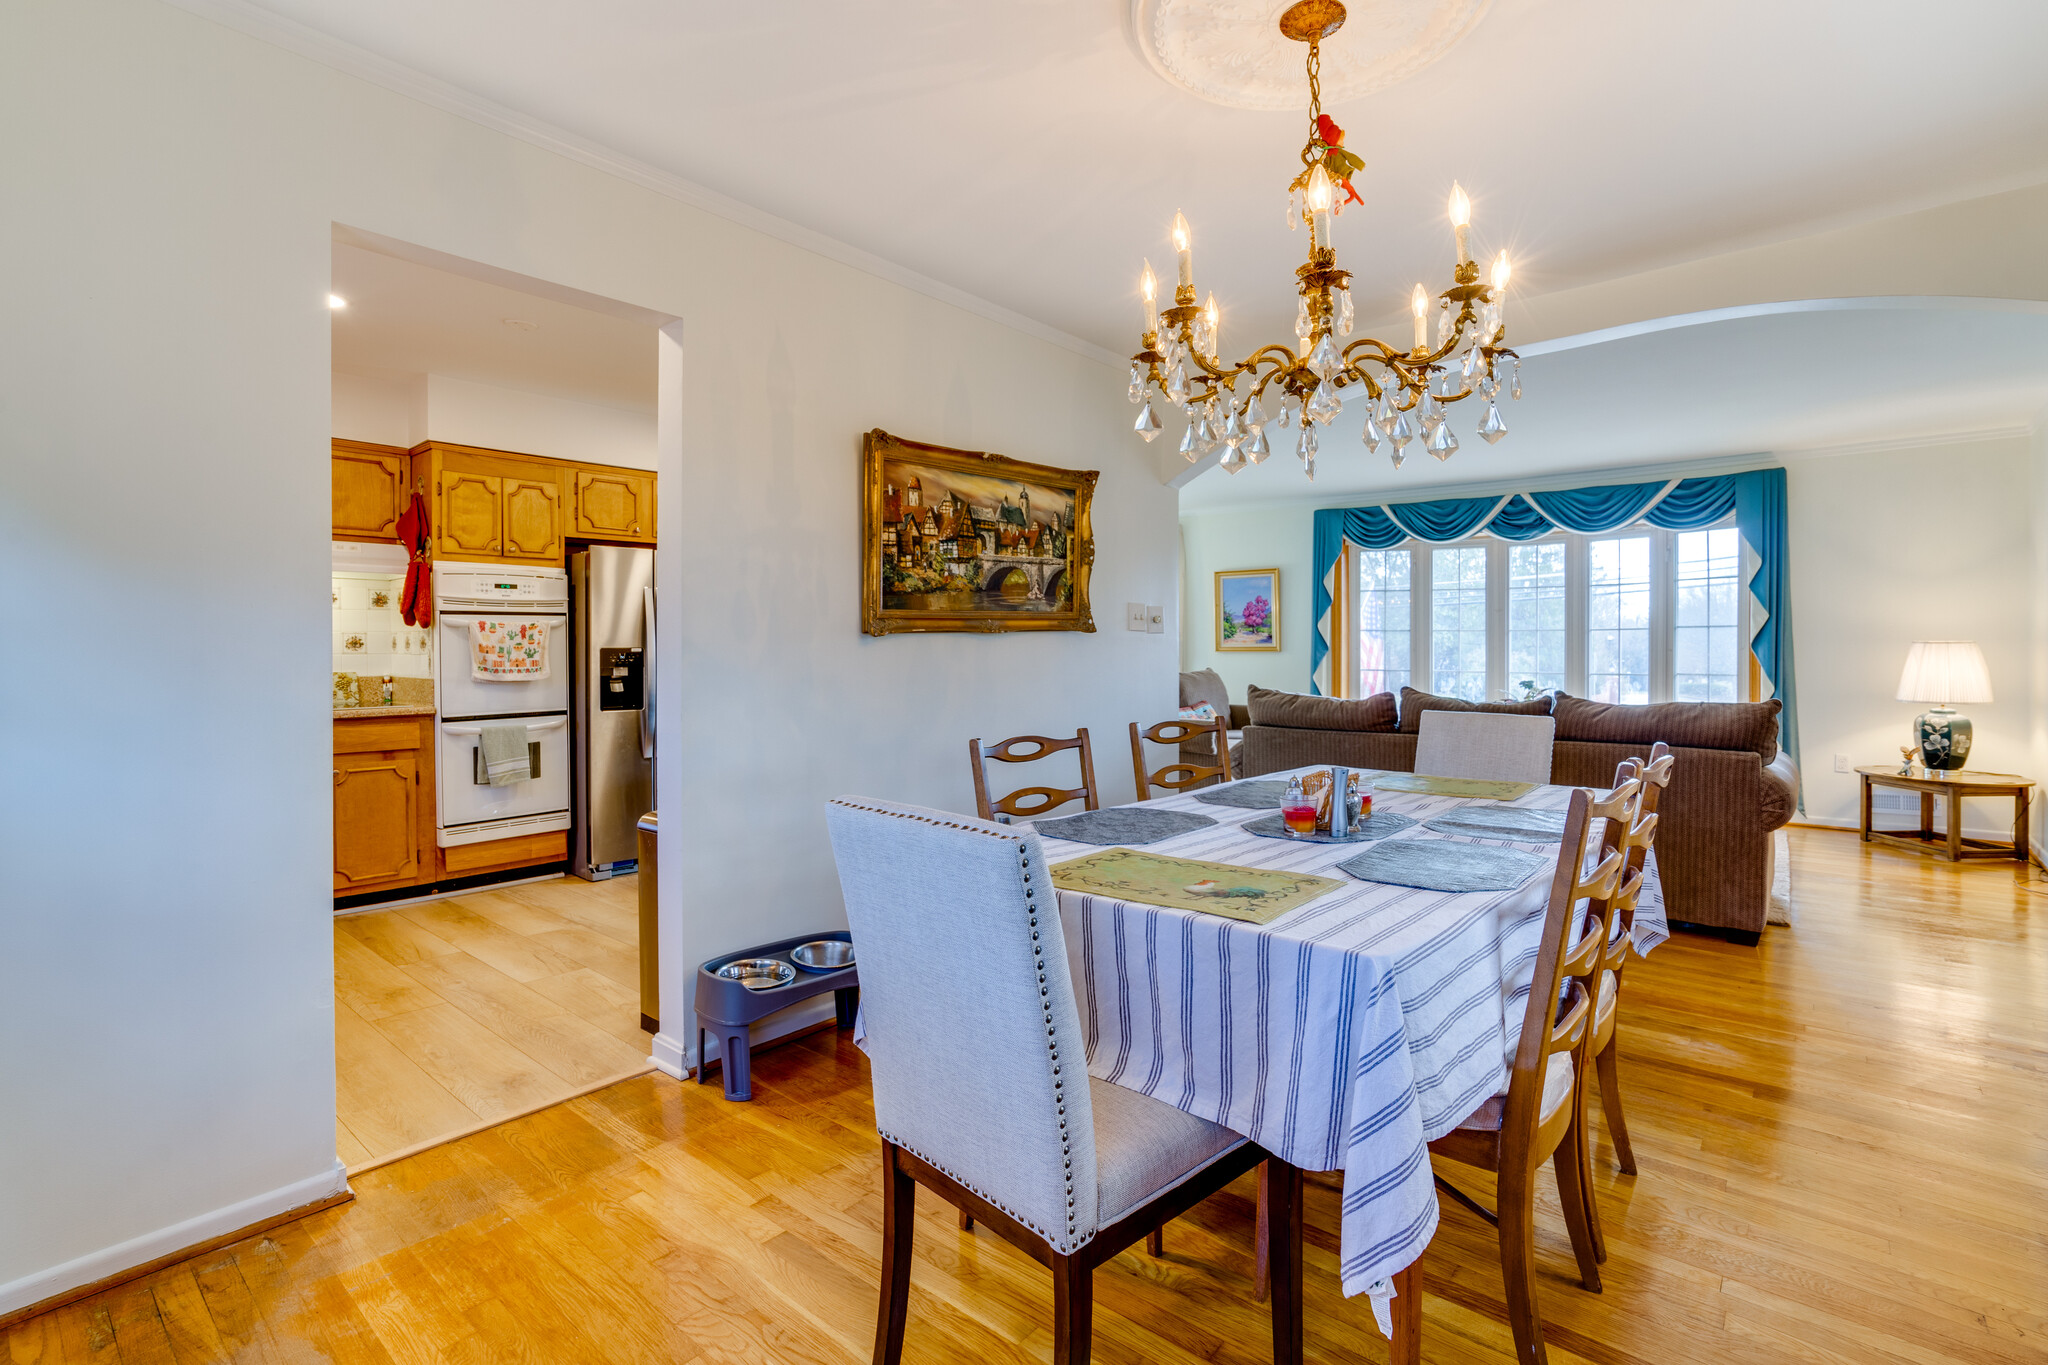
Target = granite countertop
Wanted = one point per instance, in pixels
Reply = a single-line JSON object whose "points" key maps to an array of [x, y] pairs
{"points": [[360, 712]]}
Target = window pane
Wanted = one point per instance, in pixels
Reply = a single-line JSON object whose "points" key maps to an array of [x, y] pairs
{"points": [[1618, 620], [1535, 616], [1383, 621], [1706, 649], [1457, 622]]}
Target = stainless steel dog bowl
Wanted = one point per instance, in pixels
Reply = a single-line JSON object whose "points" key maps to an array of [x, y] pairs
{"points": [[759, 973], [823, 955]]}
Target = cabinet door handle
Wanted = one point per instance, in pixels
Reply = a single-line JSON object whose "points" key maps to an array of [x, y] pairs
{"points": [[337, 777]]}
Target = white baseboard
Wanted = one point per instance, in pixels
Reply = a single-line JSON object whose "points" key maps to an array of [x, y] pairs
{"points": [[1887, 826], [671, 1055], [99, 1265]]}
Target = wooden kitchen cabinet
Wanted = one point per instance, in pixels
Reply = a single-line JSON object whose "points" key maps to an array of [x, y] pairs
{"points": [[615, 504], [383, 802], [533, 516], [369, 489], [496, 505], [469, 510]]}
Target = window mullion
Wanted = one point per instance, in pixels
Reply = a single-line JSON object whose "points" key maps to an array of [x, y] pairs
{"points": [[1663, 606], [1496, 618], [1422, 604], [1577, 584]]}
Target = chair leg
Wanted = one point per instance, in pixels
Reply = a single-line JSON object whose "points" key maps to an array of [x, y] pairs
{"points": [[1608, 1064], [1155, 1241], [1575, 1195], [1518, 1265], [899, 1204], [1073, 1311], [1283, 1267], [1262, 1236], [966, 1220]]}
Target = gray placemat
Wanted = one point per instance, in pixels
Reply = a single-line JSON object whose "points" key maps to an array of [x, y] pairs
{"points": [[1379, 826], [1503, 822], [1121, 825], [1439, 865], [1250, 795]]}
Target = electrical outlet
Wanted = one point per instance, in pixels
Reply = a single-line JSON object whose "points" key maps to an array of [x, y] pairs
{"points": [[1155, 621], [1841, 763], [1135, 616]]}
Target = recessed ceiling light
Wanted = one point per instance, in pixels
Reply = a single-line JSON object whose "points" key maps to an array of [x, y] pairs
{"points": [[520, 324], [336, 301]]}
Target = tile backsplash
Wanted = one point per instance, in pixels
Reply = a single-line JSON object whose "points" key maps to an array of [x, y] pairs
{"points": [[369, 637]]}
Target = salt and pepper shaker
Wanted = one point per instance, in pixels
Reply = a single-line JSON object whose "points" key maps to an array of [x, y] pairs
{"points": [[1340, 803]]}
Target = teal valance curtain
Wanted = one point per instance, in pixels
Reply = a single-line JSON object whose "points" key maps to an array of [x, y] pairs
{"points": [[1757, 498]]}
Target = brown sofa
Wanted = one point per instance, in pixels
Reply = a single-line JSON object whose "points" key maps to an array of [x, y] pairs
{"points": [[1729, 789]]}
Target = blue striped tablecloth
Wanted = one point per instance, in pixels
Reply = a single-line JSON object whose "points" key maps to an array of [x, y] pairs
{"points": [[1346, 1034]]}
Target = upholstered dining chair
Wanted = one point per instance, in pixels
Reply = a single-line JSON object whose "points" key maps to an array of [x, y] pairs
{"points": [[980, 1075], [1179, 777], [1485, 744], [1028, 803], [1616, 933]]}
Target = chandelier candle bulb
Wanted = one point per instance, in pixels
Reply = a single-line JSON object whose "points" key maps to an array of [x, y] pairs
{"points": [[1182, 244], [1501, 270], [1150, 284], [1419, 303], [1215, 321], [1461, 217]]}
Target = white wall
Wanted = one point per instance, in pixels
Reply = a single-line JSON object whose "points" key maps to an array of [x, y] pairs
{"points": [[165, 958], [1264, 537], [403, 410], [381, 409]]}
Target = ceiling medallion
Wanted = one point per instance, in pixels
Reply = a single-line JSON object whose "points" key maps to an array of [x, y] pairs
{"points": [[1408, 390], [1234, 52]]}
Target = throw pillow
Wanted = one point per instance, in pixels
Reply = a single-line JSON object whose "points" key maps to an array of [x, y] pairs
{"points": [[1300, 712]]}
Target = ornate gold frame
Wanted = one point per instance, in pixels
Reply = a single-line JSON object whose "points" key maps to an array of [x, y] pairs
{"points": [[877, 447], [1222, 574]]}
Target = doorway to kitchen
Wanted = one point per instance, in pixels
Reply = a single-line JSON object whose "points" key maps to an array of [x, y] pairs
{"points": [[493, 436]]}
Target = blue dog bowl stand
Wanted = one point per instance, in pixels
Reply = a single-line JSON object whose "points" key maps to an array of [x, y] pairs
{"points": [[725, 1008]]}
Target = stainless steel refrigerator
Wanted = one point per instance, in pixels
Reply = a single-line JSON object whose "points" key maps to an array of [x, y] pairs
{"points": [[611, 617]]}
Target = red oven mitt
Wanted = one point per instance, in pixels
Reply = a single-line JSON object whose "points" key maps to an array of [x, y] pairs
{"points": [[416, 602]]}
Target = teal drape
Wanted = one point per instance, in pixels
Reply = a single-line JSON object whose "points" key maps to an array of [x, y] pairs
{"points": [[1757, 498]]}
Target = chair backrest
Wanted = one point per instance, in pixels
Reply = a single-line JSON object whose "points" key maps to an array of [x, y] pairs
{"points": [[1487, 744], [1175, 777], [1029, 803], [1558, 1017], [1617, 918], [974, 1043]]}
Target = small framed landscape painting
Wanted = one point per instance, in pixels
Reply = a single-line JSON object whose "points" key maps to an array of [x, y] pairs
{"points": [[1248, 609], [963, 540]]}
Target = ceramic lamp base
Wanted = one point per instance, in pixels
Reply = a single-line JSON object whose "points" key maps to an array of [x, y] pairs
{"points": [[1944, 739]]}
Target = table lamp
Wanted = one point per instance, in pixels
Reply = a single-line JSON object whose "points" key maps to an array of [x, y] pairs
{"points": [[1944, 671]]}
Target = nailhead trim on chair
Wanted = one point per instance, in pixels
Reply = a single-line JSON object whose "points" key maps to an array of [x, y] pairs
{"points": [[1064, 1245]]}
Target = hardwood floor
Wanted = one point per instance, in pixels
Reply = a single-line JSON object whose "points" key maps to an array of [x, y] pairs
{"points": [[1841, 1138], [456, 1014]]}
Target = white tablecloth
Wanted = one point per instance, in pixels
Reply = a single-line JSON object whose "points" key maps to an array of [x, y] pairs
{"points": [[1346, 1034]]}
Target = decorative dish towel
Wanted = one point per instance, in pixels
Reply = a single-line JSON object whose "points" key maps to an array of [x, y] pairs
{"points": [[507, 757], [508, 651]]}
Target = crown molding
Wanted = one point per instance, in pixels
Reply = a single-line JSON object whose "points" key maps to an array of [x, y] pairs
{"points": [[1973, 436], [253, 21]]}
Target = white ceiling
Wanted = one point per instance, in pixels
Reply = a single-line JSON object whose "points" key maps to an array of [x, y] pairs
{"points": [[1024, 152], [405, 318], [1744, 386]]}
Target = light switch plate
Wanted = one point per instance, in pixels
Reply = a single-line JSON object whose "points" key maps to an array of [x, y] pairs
{"points": [[1134, 616], [1155, 621], [1841, 763]]}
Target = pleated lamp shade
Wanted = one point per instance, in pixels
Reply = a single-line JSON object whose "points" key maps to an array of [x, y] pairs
{"points": [[1945, 671]]}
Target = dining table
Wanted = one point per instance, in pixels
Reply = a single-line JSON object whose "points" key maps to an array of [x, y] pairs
{"points": [[1344, 1035]]}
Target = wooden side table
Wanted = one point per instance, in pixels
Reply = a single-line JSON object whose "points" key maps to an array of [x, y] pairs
{"points": [[1955, 786]]}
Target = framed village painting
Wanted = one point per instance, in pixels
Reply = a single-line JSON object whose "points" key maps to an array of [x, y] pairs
{"points": [[1247, 609], [962, 540]]}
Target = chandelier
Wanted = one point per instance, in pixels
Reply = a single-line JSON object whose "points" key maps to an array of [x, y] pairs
{"points": [[1407, 390]]}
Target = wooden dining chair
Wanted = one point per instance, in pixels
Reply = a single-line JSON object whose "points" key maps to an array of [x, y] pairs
{"points": [[978, 1063], [1617, 933], [1492, 745], [1028, 803], [1179, 777]]}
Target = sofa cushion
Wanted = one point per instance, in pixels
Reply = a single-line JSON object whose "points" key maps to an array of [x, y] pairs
{"points": [[1296, 711], [1414, 703], [1205, 685], [1681, 724]]}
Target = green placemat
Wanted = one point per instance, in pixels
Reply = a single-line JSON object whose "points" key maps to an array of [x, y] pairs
{"points": [[1250, 894], [1480, 787]]}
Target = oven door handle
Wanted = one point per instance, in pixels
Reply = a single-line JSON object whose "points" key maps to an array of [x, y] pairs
{"points": [[557, 723]]}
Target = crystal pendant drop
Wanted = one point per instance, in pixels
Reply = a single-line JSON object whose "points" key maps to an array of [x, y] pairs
{"points": [[1491, 428], [1177, 385], [1383, 411], [1324, 404], [1255, 446], [1233, 460], [1373, 434], [1426, 412], [1233, 428], [1475, 363], [1301, 323], [1400, 433], [1254, 413], [1344, 312], [1443, 323], [1205, 436], [1305, 444], [1397, 457], [1308, 467], [1294, 210], [1324, 359], [1137, 384], [1515, 372], [1442, 441], [1190, 444], [1286, 414], [1148, 422]]}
